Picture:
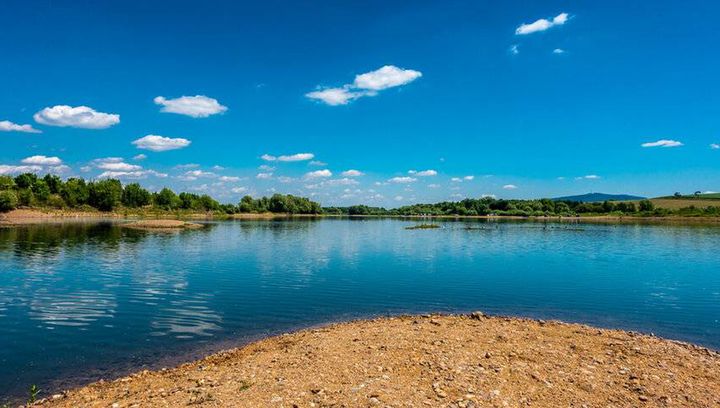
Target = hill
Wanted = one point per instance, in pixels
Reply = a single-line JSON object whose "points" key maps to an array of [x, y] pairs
{"points": [[598, 197]]}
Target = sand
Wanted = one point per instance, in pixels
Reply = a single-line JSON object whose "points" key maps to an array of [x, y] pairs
{"points": [[162, 225], [429, 361]]}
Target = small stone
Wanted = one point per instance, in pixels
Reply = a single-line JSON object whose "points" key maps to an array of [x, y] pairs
{"points": [[477, 315], [643, 398]]}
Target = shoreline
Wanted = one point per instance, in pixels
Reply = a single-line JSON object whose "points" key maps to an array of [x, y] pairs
{"points": [[22, 217], [466, 360]]}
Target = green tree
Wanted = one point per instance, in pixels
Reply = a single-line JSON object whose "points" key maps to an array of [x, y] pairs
{"points": [[105, 195], [54, 183], [75, 192], [25, 180], [134, 196], [8, 200], [167, 199], [41, 190], [646, 205], [7, 183], [25, 197]]}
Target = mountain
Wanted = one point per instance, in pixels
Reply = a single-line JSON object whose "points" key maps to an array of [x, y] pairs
{"points": [[595, 197]]}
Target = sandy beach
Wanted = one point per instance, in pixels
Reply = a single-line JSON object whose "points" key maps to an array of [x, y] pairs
{"points": [[435, 361]]}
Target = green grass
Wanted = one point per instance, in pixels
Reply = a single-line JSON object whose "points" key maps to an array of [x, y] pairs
{"points": [[423, 226]]}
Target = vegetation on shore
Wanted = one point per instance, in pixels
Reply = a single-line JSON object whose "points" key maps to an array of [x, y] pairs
{"points": [[50, 191], [529, 208]]}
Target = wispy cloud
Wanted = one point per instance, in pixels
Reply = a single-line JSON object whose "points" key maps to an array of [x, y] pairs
{"points": [[288, 158], [714, 146], [352, 173], [139, 157], [157, 143], [367, 84], [588, 177], [318, 174], [264, 176], [317, 163], [510, 187], [42, 160], [662, 143], [78, 117], [402, 180], [132, 175], [514, 49], [423, 173], [198, 106], [7, 126], [542, 24], [6, 169]]}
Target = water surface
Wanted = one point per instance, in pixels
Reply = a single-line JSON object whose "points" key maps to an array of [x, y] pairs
{"points": [[83, 301]]}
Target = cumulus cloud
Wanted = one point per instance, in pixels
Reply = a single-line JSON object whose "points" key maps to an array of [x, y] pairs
{"points": [[367, 84], [118, 166], [7, 126], [558, 51], [662, 143], [78, 117], [542, 24], [42, 160], [715, 146], [352, 173], [509, 187], [423, 173], [402, 180], [264, 176], [318, 174], [469, 178], [157, 143], [132, 175], [200, 173], [139, 157], [288, 158], [9, 169], [239, 190], [229, 178], [198, 106]]}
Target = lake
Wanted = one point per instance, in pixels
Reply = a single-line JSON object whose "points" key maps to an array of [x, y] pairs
{"points": [[83, 301]]}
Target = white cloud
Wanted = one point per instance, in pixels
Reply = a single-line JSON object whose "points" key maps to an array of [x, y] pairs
{"points": [[288, 158], [514, 49], [334, 96], [588, 177], [456, 180], [510, 187], [318, 174], [157, 143], [433, 185], [265, 167], [198, 106], [139, 157], [662, 143], [264, 176], [340, 182], [352, 173], [61, 169], [541, 24], [367, 84], [229, 178], [402, 180], [133, 175], [398, 198], [200, 173], [285, 179], [118, 166], [424, 173], [388, 76], [715, 146], [7, 126], [78, 117], [469, 178], [186, 166], [558, 51], [238, 190], [8, 169], [42, 160]]}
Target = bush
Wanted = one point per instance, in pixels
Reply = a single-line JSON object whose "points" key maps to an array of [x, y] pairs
{"points": [[105, 194], [8, 201]]}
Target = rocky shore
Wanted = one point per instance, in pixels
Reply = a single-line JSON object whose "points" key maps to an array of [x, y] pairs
{"points": [[433, 361]]}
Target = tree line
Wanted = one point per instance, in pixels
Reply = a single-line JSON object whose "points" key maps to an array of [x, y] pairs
{"points": [[523, 208], [50, 191]]}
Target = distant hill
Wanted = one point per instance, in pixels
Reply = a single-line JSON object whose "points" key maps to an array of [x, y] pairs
{"points": [[595, 197]]}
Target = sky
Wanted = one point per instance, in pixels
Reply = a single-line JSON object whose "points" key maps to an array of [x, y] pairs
{"points": [[376, 102]]}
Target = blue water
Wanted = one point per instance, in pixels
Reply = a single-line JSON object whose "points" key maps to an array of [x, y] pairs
{"points": [[81, 302]]}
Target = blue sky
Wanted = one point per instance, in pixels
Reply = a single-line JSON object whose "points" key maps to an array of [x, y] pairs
{"points": [[517, 99]]}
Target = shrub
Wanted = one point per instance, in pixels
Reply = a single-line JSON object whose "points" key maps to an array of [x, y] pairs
{"points": [[8, 201]]}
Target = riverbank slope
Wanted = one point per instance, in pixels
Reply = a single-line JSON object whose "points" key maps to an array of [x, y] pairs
{"points": [[453, 361]]}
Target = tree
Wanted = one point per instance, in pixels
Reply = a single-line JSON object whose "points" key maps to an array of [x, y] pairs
{"points": [[646, 205], [167, 199], [134, 196], [7, 183], [54, 183], [41, 190], [25, 180], [105, 195], [75, 192], [8, 201]]}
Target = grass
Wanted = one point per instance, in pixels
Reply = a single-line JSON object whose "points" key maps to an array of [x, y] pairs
{"points": [[684, 202], [423, 226]]}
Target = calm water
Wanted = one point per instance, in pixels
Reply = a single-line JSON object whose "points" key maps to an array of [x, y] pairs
{"points": [[84, 301]]}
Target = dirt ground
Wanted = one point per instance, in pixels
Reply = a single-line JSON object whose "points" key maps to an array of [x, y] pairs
{"points": [[429, 361]]}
